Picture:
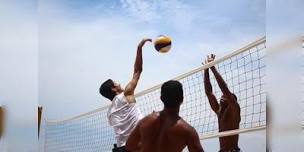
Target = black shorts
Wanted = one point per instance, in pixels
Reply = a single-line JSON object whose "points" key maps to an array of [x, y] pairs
{"points": [[119, 149], [233, 150]]}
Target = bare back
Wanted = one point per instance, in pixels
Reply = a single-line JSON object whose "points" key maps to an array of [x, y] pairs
{"points": [[162, 132], [229, 119]]}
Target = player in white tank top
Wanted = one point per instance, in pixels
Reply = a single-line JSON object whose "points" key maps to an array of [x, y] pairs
{"points": [[123, 115]]}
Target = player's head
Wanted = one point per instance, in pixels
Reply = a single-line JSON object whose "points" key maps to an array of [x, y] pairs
{"points": [[224, 99], [172, 94], [110, 89]]}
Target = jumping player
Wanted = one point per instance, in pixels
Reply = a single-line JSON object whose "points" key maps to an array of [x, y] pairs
{"points": [[227, 110], [123, 115]]}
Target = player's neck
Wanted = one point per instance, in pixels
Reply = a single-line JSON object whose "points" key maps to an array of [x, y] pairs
{"points": [[119, 92], [172, 111]]}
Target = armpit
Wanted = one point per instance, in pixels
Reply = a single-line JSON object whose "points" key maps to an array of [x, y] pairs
{"points": [[131, 99], [219, 110]]}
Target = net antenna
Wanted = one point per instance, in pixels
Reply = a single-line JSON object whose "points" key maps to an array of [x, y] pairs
{"points": [[39, 118]]}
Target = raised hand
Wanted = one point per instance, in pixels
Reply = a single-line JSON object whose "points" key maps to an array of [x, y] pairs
{"points": [[143, 41], [210, 58]]}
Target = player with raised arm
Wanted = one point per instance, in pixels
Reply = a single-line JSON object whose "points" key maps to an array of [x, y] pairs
{"points": [[227, 110], [123, 115]]}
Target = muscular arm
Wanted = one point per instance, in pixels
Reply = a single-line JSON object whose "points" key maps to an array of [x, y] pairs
{"points": [[208, 90], [221, 82], [194, 144], [130, 88], [133, 141], [223, 86]]}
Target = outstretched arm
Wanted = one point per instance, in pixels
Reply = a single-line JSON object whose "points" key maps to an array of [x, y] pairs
{"points": [[208, 90], [221, 82], [129, 90]]}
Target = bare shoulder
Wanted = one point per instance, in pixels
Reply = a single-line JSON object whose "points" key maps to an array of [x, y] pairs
{"points": [[186, 126], [150, 118], [234, 99], [153, 115]]}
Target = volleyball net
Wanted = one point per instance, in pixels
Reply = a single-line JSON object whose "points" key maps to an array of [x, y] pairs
{"points": [[244, 72]]}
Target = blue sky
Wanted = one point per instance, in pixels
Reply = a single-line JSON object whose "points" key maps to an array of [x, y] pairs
{"points": [[175, 17], [80, 39]]}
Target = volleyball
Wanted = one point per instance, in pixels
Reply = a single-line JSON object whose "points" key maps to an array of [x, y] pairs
{"points": [[162, 44]]}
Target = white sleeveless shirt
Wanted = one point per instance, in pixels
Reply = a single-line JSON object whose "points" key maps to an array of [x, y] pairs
{"points": [[123, 117]]}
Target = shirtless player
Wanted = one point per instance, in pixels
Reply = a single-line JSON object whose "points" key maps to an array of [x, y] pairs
{"points": [[165, 131], [227, 111]]}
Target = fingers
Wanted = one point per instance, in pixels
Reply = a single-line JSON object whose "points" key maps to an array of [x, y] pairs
{"points": [[147, 39], [209, 58], [143, 41], [205, 62], [212, 56]]}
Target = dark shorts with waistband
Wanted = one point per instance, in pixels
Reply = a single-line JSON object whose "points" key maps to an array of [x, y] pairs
{"points": [[232, 150], [119, 149]]}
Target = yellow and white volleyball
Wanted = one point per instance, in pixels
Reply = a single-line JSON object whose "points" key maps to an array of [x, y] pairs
{"points": [[162, 44]]}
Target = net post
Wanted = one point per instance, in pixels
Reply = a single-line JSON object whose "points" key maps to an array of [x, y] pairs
{"points": [[39, 118]]}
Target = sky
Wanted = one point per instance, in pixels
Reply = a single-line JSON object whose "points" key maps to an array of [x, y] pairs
{"points": [[19, 74], [82, 43]]}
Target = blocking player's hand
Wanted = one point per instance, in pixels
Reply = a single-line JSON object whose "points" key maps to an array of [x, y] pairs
{"points": [[210, 58]]}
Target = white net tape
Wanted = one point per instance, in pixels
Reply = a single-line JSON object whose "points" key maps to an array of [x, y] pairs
{"points": [[243, 71]]}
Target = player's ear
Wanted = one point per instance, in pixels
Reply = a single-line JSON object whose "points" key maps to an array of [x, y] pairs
{"points": [[113, 89], [234, 96], [182, 99]]}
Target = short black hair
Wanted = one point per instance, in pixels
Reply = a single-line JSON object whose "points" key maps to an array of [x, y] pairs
{"points": [[172, 94], [106, 89]]}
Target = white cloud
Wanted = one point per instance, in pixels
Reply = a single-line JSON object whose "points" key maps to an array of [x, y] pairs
{"points": [[162, 13], [75, 55]]}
